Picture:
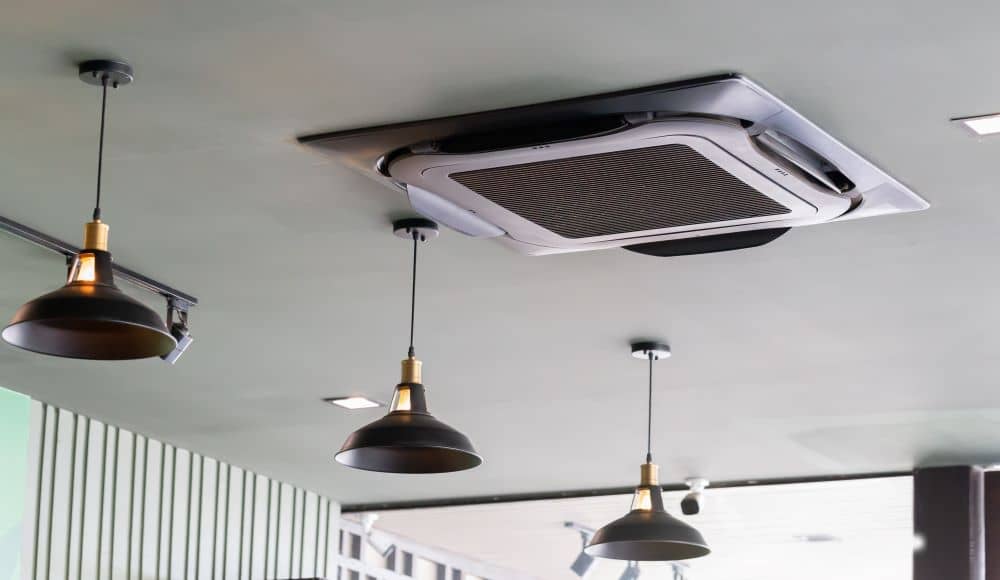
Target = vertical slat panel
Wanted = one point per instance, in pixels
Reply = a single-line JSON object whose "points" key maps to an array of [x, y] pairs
{"points": [[185, 465], [252, 540], [39, 434], [150, 517], [267, 530], [102, 495], [162, 491], [70, 494], [208, 519], [216, 494], [282, 532], [53, 483], [326, 540], [187, 517], [276, 531], [111, 504], [225, 521], [243, 512], [317, 535], [305, 556], [143, 484], [112, 498], [42, 438], [196, 536], [89, 520], [293, 547], [130, 521], [84, 497], [172, 509]]}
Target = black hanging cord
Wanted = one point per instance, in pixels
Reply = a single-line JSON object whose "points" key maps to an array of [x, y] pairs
{"points": [[100, 146], [413, 289], [649, 418]]}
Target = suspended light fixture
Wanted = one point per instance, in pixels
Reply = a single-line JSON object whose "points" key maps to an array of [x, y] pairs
{"points": [[90, 317], [648, 532], [409, 439]]}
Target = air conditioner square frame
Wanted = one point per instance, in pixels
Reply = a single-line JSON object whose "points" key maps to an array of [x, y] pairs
{"points": [[368, 150]]}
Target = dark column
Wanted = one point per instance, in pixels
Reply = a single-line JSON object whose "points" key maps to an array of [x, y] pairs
{"points": [[948, 521], [991, 513]]}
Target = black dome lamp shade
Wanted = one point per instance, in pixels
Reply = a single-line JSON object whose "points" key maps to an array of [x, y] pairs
{"points": [[409, 439], [89, 317], [648, 533]]}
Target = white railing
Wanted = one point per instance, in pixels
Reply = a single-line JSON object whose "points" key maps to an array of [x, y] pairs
{"points": [[409, 560]]}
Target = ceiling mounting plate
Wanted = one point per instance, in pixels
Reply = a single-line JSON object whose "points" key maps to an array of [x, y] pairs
{"points": [[642, 350], [117, 72], [425, 228]]}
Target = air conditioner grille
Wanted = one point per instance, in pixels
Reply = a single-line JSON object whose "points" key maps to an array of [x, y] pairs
{"points": [[621, 191]]}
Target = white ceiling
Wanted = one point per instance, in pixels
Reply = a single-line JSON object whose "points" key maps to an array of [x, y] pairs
{"points": [[862, 346], [756, 533]]}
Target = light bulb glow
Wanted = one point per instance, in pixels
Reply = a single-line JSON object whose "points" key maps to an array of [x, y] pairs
{"points": [[642, 500], [401, 400], [84, 269]]}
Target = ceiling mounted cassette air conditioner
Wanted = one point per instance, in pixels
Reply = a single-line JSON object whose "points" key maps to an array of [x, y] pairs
{"points": [[698, 166]]}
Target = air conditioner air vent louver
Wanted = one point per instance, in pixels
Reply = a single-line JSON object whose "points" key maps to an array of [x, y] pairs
{"points": [[621, 191]]}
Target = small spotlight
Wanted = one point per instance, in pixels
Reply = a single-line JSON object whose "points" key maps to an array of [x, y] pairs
{"points": [[631, 572], [694, 501], [583, 561], [179, 330], [353, 403], [680, 570], [582, 564], [383, 547]]}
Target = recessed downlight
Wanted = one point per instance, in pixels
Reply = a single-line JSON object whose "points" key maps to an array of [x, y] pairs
{"points": [[981, 125], [353, 402], [816, 538]]}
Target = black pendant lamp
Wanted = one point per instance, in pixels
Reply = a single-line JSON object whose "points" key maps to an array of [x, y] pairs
{"points": [[89, 317], [648, 532], [409, 439]]}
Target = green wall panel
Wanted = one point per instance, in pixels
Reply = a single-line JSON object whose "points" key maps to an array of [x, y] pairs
{"points": [[15, 412]]}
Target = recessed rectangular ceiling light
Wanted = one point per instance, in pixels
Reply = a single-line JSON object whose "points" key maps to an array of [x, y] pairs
{"points": [[817, 538], [982, 124], [353, 403]]}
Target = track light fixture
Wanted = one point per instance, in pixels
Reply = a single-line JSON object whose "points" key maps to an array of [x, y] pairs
{"points": [[383, 547], [584, 561], [648, 532], [631, 572], [679, 570], [409, 439], [179, 330], [89, 317], [695, 500]]}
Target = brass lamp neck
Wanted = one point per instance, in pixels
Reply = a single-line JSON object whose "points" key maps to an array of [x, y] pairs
{"points": [[649, 475], [95, 235], [411, 370]]}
